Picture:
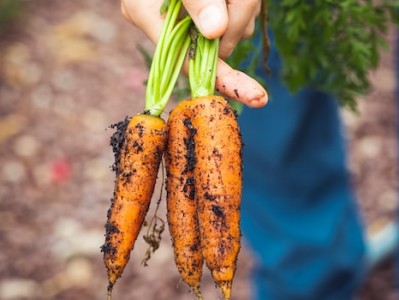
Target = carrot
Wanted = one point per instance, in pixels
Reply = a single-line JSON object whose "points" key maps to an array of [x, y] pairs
{"points": [[218, 170], [204, 181], [218, 181], [141, 149], [139, 144], [181, 196], [204, 175]]}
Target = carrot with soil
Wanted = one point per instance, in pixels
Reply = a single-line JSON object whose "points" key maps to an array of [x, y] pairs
{"points": [[138, 144], [181, 196], [142, 143], [218, 170], [204, 175], [218, 186]]}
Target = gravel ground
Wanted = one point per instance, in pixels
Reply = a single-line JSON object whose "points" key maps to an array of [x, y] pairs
{"points": [[67, 72]]}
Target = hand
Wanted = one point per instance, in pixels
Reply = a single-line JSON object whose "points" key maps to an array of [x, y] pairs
{"points": [[232, 20], [214, 18]]}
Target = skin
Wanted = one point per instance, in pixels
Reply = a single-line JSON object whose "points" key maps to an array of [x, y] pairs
{"points": [[231, 20], [140, 156], [181, 203]]}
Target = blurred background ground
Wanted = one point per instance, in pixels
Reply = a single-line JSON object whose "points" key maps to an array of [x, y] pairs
{"points": [[69, 69]]}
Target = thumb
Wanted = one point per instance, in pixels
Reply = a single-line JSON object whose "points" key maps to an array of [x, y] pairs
{"points": [[210, 16]]}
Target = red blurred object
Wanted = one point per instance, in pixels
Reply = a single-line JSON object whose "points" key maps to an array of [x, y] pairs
{"points": [[61, 170]]}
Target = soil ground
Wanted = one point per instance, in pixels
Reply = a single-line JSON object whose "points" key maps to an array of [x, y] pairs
{"points": [[68, 71]]}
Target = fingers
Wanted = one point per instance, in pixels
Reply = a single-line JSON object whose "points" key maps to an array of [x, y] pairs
{"points": [[214, 18], [210, 16], [242, 16], [235, 23], [238, 86]]}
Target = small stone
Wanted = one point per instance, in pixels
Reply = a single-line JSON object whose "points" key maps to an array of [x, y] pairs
{"points": [[102, 29], [79, 272], [26, 146], [388, 200], [370, 146], [64, 81], [11, 125], [41, 97], [13, 171], [18, 288], [42, 174], [18, 68], [32, 73], [349, 118], [97, 169], [65, 106], [71, 239], [94, 120], [388, 84]]}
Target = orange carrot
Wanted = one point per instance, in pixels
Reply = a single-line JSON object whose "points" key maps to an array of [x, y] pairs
{"points": [[181, 202], [218, 183], [218, 171], [204, 182], [139, 145]]}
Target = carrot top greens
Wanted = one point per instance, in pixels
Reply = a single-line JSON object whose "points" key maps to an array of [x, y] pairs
{"points": [[203, 55], [177, 38], [168, 58]]}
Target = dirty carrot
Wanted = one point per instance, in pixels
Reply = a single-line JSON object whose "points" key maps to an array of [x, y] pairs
{"points": [[142, 140], [218, 177], [204, 175], [181, 196], [138, 145], [218, 170]]}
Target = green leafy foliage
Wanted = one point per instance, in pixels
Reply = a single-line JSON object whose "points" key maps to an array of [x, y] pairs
{"points": [[10, 10], [331, 45]]}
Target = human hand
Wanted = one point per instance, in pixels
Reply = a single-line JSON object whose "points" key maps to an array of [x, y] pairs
{"points": [[214, 18]]}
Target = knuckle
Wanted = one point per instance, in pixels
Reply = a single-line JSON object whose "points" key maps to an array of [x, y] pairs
{"points": [[258, 8], [226, 50], [253, 4], [249, 30], [127, 13], [124, 12]]}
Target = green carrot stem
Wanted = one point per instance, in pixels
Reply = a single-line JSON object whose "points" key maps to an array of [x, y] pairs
{"points": [[215, 63], [151, 92], [169, 27], [168, 59], [178, 37], [202, 66]]}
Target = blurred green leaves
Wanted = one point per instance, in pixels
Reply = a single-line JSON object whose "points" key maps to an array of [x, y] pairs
{"points": [[10, 10], [331, 45]]}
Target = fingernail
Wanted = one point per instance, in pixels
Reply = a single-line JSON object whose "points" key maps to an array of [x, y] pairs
{"points": [[209, 21], [259, 101]]}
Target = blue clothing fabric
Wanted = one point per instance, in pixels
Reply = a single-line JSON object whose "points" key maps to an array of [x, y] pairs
{"points": [[298, 211]]}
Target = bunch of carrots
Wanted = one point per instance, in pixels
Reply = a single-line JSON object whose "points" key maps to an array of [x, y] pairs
{"points": [[201, 146]]}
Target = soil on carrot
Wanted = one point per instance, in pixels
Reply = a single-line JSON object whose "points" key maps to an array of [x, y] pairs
{"points": [[59, 91], [189, 142], [117, 140]]}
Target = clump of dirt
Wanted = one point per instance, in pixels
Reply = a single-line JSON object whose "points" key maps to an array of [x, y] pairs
{"points": [[117, 139]]}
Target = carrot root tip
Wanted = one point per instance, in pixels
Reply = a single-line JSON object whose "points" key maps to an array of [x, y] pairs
{"points": [[197, 292], [225, 288], [109, 291]]}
